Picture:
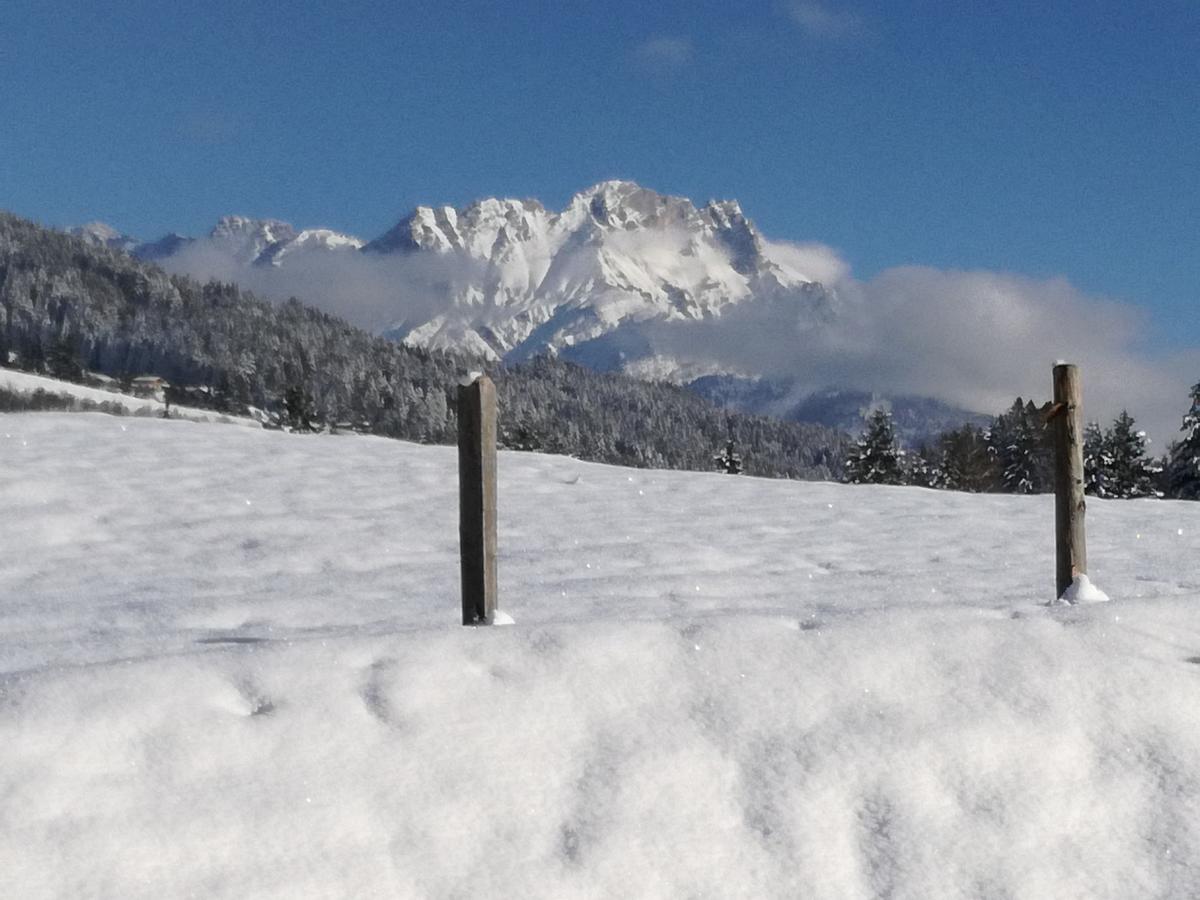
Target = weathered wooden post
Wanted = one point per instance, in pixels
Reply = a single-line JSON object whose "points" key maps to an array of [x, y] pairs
{"points": [[1069, 504], [477, 499]]}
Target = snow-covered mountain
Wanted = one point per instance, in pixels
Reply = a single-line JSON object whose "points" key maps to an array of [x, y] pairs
{"points": [[584, 281], [270, 241], [245, 241], [511, 279]]}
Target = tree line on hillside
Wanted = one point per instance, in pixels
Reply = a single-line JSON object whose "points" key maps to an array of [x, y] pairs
{"points": [[74, 311], [1016, 455]]}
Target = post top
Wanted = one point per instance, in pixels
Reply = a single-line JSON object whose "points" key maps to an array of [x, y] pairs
{"points": [[471, 378]]}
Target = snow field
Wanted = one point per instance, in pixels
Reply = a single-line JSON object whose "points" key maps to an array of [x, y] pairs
{"points": [[229, 666]]}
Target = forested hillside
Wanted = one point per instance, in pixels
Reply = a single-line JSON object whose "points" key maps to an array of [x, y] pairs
{"points": [[68, 307]]}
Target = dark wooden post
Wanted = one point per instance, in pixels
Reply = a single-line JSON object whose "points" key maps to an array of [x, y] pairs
{"points": [[1069, 505], [477, 499]]}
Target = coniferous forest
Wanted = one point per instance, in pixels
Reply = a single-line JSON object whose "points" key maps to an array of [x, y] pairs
{"points": [[1015, 455]]}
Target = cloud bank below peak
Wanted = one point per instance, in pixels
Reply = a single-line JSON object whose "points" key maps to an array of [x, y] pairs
{"points": [[974, 339], [370, 291]]}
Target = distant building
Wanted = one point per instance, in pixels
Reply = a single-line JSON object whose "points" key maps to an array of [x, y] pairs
{"points": [[149, 386]]}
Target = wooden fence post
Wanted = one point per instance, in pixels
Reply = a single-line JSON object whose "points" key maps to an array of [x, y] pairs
{"points": [[1069, 505], [477, 499]]}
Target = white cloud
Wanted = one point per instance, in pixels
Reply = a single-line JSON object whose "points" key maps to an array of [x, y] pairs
{"points": [[976, 339], [820, 20], [818, 262], [371, 291], [664, 54]]}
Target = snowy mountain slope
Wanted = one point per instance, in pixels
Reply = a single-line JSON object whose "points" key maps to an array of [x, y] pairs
{"points": [[244, 241], [240, 675], [617, 256]]}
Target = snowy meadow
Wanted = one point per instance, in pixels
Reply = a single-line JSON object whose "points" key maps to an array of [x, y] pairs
{"points": [[231, 666]]}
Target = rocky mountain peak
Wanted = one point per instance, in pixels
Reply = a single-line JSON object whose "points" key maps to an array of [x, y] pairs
{"points": [[268, 241], [627, 206], [248, 239]]}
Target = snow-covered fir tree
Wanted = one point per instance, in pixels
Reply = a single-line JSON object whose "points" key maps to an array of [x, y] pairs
{"points": [[1097, 464], [1183, 467], [876, 458], [298, 410], [965, 463], [924, 467], [62, 361], [1020, 444], [1130, 472]]}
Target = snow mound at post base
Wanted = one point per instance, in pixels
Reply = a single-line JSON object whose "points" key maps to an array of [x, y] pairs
{"points": [[242, 677], [1081, 590]]}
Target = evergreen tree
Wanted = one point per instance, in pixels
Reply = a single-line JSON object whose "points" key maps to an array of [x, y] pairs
{"points": [[966, 464], [520, 436], [1131, 473], [1097, 463], [33, 355], [298, 408], [1022, 448], [63, 362], [876, 458], [924, 467], [1183, 467]]}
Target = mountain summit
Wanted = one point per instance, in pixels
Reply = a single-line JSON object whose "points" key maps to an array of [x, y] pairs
{"points": [[616, 258], [268, 241]]}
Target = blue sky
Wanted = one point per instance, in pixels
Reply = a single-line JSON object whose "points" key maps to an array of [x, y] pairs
{"points": [[1039, 138]]}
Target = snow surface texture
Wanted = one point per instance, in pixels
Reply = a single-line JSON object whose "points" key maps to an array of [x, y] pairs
{"points": [[231, 668]]}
